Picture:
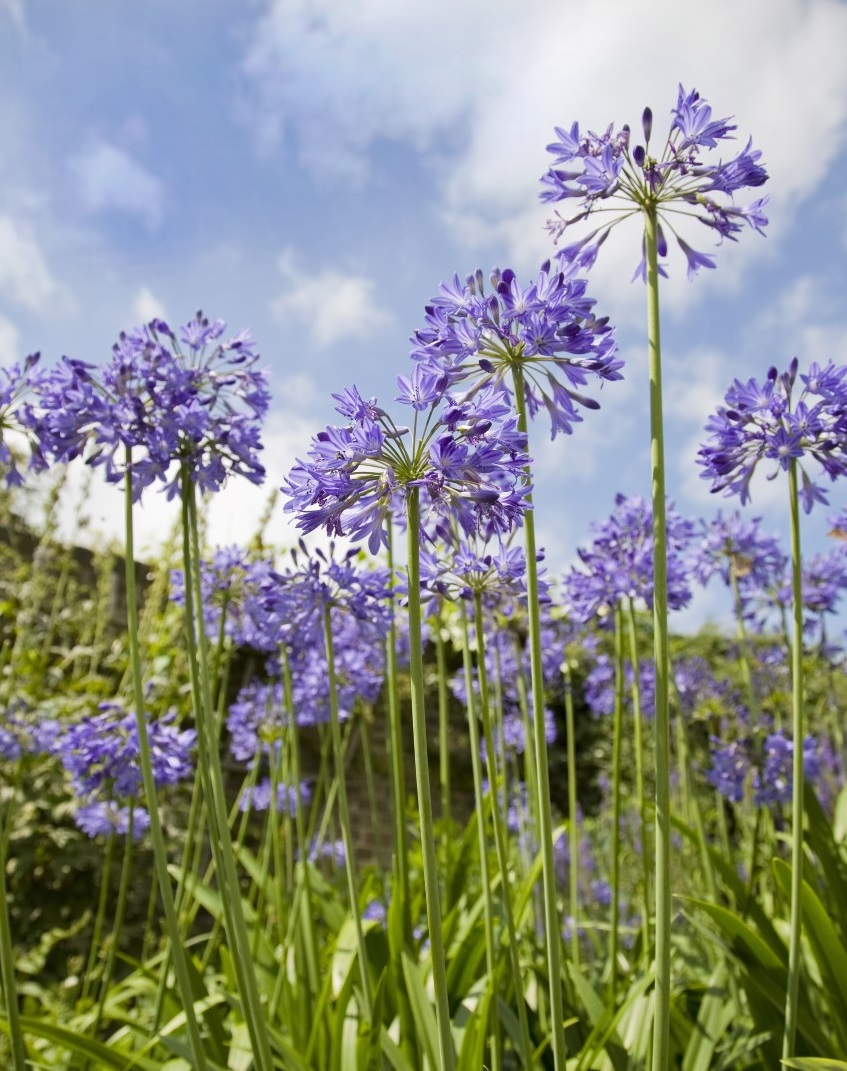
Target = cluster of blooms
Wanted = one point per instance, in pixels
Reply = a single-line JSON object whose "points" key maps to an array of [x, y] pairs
{"points": [[600, 686], [603, 175], [618, 565], [468, 462], [824, 578], [547, 327], [699, 692], [231, 585], [16, 383], [764, 421], [737, 550], [101, 754], [506, 661], [457, 567], [21, 733], [200, 407], [767, 763], [286, 609], [258, 797]]}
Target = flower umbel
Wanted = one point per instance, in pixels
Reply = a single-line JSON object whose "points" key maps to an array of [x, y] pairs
{"points": [[605, 176], [190, 397], [767, 422], [548, 327], [465, 455]]}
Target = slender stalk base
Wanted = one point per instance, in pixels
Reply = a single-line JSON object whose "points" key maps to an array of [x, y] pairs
{"points": [[797, 732], [662, 1020]]}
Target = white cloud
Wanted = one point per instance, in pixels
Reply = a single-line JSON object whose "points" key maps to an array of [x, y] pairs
{"points": [[92, 510], [15, 10], [146, 306], [108, 178], [805, 319], [9, 342], [25, 278], [331, 305], [490, 84]]}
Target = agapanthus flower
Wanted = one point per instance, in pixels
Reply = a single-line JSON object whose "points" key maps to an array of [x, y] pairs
{"points": [[600, 686], [186, 397], [231, 584], [16, 418], [605, 176], [618, 564], [730, 768], [767, 422], [26, 732], [462, 567], [102, 755], [772, 783], [100, 818], [258, 797], [287, 609], [736, 549], [465, 456], [547, 327]]}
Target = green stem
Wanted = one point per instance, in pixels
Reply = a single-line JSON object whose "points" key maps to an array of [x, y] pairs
{"points": [[120, 913], [398, 771], [443, 727], [798, 733], [430, 865], [344, 815], [485, 877], [541, 773], [617, 740], [662, 1020], [160, 856], [7, 969], [638, 745], [573, 825], [499, 830], [100, 918], [213, 787]]}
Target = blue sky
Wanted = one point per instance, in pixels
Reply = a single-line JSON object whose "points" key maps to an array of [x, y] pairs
{"points": [[312, 169]]}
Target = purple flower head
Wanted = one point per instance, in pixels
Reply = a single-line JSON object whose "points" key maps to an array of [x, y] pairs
{"points": [[603, 173], [600, 686], [17, 418], [768, 422], [772, 784], [618, 565], [547, 329], [258, 797], [102, 818], [465, 457], [26, 732], [101, 753], [190, 400], [737, 550], [730, 766], [232, 585]]}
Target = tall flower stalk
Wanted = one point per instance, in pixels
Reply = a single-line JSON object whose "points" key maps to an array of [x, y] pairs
{"points": [[459, 465], [542, 343], [767, 422], [603, 175]]}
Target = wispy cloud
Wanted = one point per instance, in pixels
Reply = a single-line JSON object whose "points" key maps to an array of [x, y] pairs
{"points": [[328, 304], [9, 342], [146, 306], [108, 178], [25, 278], [389, 71]]}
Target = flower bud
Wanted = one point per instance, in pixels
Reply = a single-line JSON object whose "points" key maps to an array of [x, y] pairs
{"points": [[647, 124]]}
